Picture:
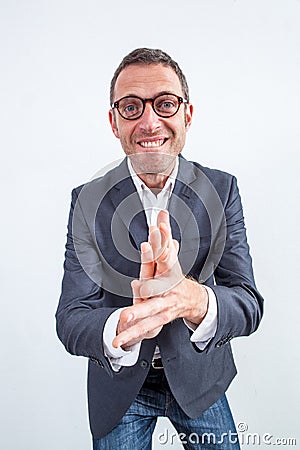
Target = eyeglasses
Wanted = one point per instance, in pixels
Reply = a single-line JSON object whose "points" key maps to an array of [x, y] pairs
{"points": [[132, 107]]}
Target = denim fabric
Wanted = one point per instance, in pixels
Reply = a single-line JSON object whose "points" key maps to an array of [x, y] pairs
{"points": [[213, 430]]}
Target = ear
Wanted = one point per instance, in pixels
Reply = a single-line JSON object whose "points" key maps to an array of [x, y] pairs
{"points": [[112, 121], [188, 116]]}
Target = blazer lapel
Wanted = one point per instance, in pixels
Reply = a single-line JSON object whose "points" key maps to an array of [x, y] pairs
{"points": [[128, 205], [181, 203]]}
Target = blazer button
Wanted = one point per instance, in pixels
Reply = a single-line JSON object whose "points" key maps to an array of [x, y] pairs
{"points": [[144, 364]]}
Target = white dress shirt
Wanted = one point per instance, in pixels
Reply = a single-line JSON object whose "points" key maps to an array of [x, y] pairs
{"points": [[202, 333]]}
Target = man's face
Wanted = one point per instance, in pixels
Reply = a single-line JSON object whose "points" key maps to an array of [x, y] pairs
{"points": [[151, 142]]}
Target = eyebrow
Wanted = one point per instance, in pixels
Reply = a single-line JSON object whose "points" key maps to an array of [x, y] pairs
{"points": [[156, 95]]}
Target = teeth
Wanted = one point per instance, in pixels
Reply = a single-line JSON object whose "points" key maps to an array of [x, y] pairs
{"points": [[150, 144]]}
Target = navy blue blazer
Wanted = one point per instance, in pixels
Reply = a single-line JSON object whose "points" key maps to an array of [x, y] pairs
{"points": [[106, 227]]}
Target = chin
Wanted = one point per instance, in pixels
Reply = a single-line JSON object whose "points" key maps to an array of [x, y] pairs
{"points": [[152, 162]]}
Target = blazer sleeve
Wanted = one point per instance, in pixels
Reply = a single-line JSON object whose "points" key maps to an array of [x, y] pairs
{"points": [[81, 314], [240, 305]]}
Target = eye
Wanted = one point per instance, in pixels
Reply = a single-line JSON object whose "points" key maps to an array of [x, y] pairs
{"points": [[166, 104], [130, 106]]}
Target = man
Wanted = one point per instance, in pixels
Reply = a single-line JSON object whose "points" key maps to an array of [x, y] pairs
{"points": [[158, 277]]}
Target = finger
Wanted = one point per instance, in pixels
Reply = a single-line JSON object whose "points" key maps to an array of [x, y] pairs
{"points": [[163, 223], [165, 237], [135, 286], [168, 251], [125, 321], [143, 329], [159, 287], [155, 241], [163, 217], [168, 261], [147, 261], [141, 310]]}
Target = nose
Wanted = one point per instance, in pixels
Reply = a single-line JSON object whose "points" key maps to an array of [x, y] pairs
{"points": [[149, 121]]}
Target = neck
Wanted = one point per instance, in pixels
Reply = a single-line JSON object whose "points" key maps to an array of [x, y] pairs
{"points": [[152, 180]]}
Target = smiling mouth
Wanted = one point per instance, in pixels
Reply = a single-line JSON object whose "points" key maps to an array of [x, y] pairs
{"points": [[152, 144]]}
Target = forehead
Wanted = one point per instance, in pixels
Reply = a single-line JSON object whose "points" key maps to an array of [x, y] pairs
{"points": [[147, 81]]}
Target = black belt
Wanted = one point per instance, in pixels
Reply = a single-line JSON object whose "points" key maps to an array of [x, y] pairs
{"points": [[156, 379], [157, 364]]}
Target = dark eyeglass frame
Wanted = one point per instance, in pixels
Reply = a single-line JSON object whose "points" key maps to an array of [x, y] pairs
{"points": [[181, 101]]}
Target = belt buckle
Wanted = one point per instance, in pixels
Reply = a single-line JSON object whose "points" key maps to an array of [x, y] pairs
{"points": [[157, 363]]}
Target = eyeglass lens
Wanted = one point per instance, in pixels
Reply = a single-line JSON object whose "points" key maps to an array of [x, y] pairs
{"points": [[165, 105]]}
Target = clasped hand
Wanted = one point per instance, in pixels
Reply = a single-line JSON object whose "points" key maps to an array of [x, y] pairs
{"points": [[162, 293]]}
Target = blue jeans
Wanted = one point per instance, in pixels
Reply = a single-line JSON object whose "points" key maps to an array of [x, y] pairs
{"points": [[213, 430]]}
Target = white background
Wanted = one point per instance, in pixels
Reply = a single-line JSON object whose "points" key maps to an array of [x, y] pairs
{"points": [[241, 59]]}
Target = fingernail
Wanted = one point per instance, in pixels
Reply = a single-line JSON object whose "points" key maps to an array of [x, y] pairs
{"points": [[130, 317]]}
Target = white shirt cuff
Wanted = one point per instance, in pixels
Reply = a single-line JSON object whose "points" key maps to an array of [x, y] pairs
{"points": [[117, 356], [204, 332]]}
